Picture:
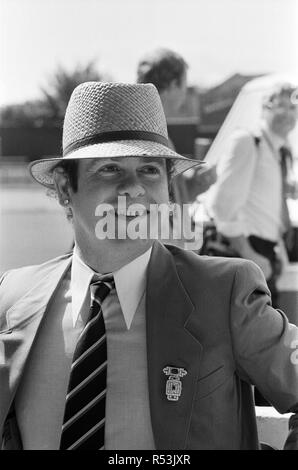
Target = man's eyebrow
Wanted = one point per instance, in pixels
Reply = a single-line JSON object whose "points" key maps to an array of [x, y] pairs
{"points": [[94, 162], [158, 160]]}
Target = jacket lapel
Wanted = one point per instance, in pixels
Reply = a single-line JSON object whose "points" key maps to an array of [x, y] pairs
{"points": [[171, 341], [23, 320]]}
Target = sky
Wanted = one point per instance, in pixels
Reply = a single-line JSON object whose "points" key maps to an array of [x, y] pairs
{"points": [[216, 37]]}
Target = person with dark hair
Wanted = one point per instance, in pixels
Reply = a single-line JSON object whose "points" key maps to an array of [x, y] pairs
{"points": [[167, 71], [128, 343]]}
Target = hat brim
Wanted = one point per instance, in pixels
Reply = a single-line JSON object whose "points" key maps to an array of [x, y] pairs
{"points": [[42, 170]]}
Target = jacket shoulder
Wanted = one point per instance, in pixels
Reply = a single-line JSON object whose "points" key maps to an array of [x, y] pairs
{"points": [[210, 266], [16, 282], [204, 275]]}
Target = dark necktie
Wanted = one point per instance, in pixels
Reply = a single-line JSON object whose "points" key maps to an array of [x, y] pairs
{"points": [[84, 417], [285, 163]]}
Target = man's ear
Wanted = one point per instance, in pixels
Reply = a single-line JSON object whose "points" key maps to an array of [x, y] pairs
{"points": [[62, 186]]}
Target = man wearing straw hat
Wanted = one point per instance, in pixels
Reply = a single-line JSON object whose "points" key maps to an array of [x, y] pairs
{"points": [[127, 343]]}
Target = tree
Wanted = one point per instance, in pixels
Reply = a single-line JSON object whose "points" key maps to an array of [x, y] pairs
{"points": [[62, 84], [28, 114], [50, 109]]}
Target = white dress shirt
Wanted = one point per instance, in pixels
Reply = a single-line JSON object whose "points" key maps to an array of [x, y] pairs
{"points": [[130, 283], [40, 399], [247, 197]]}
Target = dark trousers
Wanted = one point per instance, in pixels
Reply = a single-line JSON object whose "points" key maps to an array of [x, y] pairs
{"points": [[267, 249]]}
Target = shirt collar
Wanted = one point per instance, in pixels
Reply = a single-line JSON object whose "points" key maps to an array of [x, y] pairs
{"points": [[130, 283]]}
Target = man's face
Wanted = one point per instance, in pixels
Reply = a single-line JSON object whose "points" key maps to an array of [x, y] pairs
{"points": [[282, 115], [138, 180]]}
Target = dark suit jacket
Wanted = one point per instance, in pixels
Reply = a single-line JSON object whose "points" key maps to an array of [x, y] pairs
{"points": [[211, 316]]}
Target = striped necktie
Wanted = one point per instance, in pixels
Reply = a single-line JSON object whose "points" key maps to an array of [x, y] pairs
{"points": [[84, 416]]}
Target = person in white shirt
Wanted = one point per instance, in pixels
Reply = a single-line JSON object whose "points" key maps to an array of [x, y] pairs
{"points": [[127, 343], [248, 201]]}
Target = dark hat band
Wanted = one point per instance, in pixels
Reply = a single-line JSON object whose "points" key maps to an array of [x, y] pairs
{"points": [[114, 136]]}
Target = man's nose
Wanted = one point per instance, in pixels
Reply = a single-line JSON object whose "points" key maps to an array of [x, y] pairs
{"points": [[132, 188]]}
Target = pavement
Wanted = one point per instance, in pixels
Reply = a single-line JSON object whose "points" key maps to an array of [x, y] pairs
{"points": [[33, 227]]}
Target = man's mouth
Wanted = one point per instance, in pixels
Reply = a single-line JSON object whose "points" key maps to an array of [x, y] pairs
{"points": [[131, 212]]}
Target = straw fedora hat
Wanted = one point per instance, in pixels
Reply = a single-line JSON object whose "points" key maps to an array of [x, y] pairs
{"points": [[108, 120]]}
